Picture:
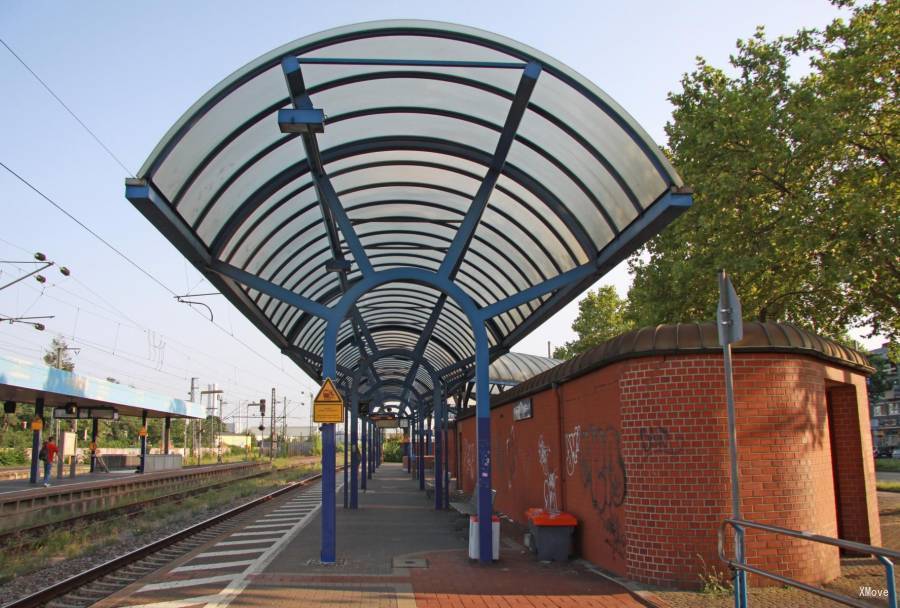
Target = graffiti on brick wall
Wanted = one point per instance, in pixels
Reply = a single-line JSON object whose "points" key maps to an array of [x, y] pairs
{"points": [[656, 439], [615, 536], [469, 459], [551, 503], [573, 448], [597, 452], [510, 456], [602, 467]]}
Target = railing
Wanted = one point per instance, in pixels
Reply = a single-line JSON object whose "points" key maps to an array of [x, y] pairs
{"points": [[882, 555]]}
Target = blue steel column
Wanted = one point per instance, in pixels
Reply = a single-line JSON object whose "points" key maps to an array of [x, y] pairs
{"points": [[143, 441], [438, 450], [327, 554], [483, 439], [446, 410], [421, 449], [354, 452], [36, 438], [346, 465], [365, 453], [373, 450], [412, 444]]}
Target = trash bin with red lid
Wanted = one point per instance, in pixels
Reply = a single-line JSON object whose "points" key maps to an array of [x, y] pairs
{"points": [[551, 534]]}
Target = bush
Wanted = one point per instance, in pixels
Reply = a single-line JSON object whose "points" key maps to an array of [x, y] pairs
{"points": [[392, 450], [13, 456]]}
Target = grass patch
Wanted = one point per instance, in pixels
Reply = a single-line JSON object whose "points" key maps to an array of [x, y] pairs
{"points": [[888, 486], [713, 581], [70, 543], [887, 464]]}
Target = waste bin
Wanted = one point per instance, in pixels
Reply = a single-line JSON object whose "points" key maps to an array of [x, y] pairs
{"points": [[551, 534], [473, 537]]}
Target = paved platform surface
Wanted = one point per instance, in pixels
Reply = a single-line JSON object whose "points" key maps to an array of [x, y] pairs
{"points": [[395, 551], [19, 485]]}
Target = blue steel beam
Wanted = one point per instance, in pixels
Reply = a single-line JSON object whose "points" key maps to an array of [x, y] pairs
{"points": [[270, 289], [424, 337], [411, 62], [467, 229]]}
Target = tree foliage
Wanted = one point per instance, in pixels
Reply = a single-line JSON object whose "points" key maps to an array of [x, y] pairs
{"points": [[59, 355], [795, 183], [601, 316]]}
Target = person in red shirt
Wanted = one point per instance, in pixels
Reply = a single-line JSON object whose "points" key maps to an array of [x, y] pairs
{"points": [[48, 453]]}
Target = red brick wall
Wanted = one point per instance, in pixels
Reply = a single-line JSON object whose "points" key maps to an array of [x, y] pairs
{"points": [[647, 472]]}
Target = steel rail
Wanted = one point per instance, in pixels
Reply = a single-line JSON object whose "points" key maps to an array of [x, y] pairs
{"points": [[70, 584], [128, 509]]}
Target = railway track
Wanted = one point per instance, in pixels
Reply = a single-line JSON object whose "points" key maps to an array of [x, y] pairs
{"points": [[93, 585], [19, 539]]}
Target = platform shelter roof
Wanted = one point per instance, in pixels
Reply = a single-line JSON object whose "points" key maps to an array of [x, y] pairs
{"points": [[25, 381], [364, 149]]}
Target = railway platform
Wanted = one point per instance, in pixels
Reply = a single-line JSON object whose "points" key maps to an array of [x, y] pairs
{"points": [[22, 502], [395, 550]]}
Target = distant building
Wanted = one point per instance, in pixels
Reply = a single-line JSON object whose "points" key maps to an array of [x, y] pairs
{"points": [[886, 410], [234, 440]]}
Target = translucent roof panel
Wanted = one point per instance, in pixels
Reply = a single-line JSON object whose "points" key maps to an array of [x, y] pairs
{"points": [[414, 114]]}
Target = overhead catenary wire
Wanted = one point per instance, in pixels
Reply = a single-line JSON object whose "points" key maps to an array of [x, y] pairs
{"points": [[67, 108], [138, 267]]}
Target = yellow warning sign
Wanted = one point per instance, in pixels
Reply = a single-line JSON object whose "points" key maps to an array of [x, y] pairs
{"points": [[37, 424], [143, 431], [328, 406]]}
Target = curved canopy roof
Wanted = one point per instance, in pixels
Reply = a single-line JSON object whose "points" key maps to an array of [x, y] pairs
{"points": [[513, 368], [420, 120]]}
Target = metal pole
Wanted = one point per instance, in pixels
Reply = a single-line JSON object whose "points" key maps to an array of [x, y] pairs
{"points": [[37, 424], [143, 440], [167, 430], [421, 462], [483, 439], [740, 600], [346, 471], [354, 453], [372, 440], [365, 454], [438, 450], [95, 427], [731, 330], [329, 525], [272, 430], [446, 411]]}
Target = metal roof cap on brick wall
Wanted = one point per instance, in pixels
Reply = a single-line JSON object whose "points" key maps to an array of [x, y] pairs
{"points": [[690, 338]]}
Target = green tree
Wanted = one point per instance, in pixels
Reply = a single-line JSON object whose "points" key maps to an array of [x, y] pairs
{"points": [[881, 381], [58, 354], [601, 316], [795, 183]]}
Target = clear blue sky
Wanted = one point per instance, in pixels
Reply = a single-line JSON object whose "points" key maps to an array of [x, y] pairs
{"points": [[130, 69]]}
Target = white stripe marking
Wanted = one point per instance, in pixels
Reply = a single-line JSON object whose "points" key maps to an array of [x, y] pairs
{"points": [[235, 587], [254, 541], [269, 533], [214, 566], [232, 552], [261, 526], [203, 599], [240, 582], [192, 582]]}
